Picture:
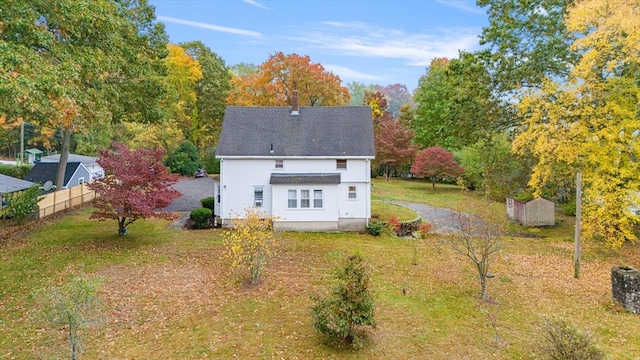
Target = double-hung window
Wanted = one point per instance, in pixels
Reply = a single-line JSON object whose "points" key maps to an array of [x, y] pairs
{"points": [[279, 164], [292, 202], [258, 196], [352, 192], [317, 198], [341, 164], [305, 202]]}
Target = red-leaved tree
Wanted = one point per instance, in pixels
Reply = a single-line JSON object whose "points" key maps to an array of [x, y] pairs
{"points": [[434, 163], [394, 147], [135, 185]]}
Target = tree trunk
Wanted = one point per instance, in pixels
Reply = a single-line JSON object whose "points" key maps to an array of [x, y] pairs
{"points": [[122, 231], [386, 172], [64, 157], [433, 183]]}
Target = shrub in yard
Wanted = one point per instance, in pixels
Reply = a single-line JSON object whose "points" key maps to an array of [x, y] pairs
{"points": [[569, 208], [208, 202], [21, 204], [252, 241], [561, 341], [185, 160], [201, 217], [343, 315], [16, 171], [394, 223], [375, 227]]}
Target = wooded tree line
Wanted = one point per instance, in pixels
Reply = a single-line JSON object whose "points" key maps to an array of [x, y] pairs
{"points": [[554, 91]]}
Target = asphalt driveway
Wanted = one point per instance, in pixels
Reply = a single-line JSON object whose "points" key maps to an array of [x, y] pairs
{"points": [[193, 190]]}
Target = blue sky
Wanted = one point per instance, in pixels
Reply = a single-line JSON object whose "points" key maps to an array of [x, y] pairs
{"points": [[371, 42]]}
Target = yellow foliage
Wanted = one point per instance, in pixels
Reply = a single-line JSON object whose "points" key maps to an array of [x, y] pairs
{"points": [[591, 123], [251, 242]]}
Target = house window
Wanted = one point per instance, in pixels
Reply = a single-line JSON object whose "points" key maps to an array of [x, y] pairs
{"points": [[341, 164], [305, 201], [279, 164], [352, 192], [293, 199], [80, 180], [218, 194], [317, 198], [258, 196]]}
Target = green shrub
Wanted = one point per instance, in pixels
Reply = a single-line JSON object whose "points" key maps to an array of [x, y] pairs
{"points": [[569, 208], [201, 217], [343, 315], [561, 341], [375, 227], [185, 160], [16, 171], [208, 202], [22, 203]]}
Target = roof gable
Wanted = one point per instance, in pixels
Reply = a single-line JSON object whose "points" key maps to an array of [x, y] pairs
{"points": [[334, 131], [43, 172]]}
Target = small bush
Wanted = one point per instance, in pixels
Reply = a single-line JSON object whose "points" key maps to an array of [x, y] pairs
{"points": [[394, 223], [569, 208], [375, 227], [201, 217], [561, 341], [208, 202], [343, 315], [16, 171]]}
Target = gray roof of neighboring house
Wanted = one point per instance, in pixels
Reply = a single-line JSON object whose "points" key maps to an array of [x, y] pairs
{"points": [[303, 179], [41, 172], [86, 160], [10, 184], [334, 131]]}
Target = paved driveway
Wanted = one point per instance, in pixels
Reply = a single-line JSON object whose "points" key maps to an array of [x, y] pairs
{"points": [[193, 190], [443, 221]]}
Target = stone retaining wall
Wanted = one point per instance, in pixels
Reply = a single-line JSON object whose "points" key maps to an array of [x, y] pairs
{"points": [[408, 227]]}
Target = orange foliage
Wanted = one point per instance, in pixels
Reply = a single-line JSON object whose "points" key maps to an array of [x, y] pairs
{"points": [[276, 79]]}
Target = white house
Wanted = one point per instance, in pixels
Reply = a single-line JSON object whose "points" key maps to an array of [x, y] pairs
{"points": [[307, 166]]}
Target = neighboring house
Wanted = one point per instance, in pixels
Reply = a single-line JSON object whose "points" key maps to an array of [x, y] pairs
{"points": [[307, 166], [32, 155], [9, 185], [90, 162], [76, 173], [536, 212]]}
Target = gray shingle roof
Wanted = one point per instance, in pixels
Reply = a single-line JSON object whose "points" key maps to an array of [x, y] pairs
{"points": [[42, 172], [10, 184], [334, 131], [303, 179]]}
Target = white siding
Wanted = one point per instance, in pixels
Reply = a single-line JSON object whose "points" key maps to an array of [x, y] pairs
{"points": [[239, 176]]}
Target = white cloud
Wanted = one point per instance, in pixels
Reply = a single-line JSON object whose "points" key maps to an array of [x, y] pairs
{"points": [[256, 4], [210, 26], [461, 5], [348, 73], [370, 41]]}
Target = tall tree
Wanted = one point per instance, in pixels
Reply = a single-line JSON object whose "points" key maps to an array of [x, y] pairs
{"points": [[394, 145], [211, 93], [435, 163], [357, 91], [456, 103], [276, 79], [71, 63], [183, 72], [397, 95], [136, 184], [590, 123], [527, 41]]}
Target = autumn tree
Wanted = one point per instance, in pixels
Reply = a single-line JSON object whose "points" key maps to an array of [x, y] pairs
{"points": [[250, 244], [435, 163], [72, 63], [397, 95], [357, 91], [212, 91], [378, 104], [589, 123], [394, 147], [136, 184], [275, 80]]}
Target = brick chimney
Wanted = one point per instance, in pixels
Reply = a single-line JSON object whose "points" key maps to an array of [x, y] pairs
{"points": [[295, 109]]}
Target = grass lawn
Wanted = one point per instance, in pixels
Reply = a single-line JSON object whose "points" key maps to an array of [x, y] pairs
{"points": [[168, 296]]}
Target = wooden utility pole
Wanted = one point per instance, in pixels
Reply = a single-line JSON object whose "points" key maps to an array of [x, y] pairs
{"points": [[576, 252]]}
